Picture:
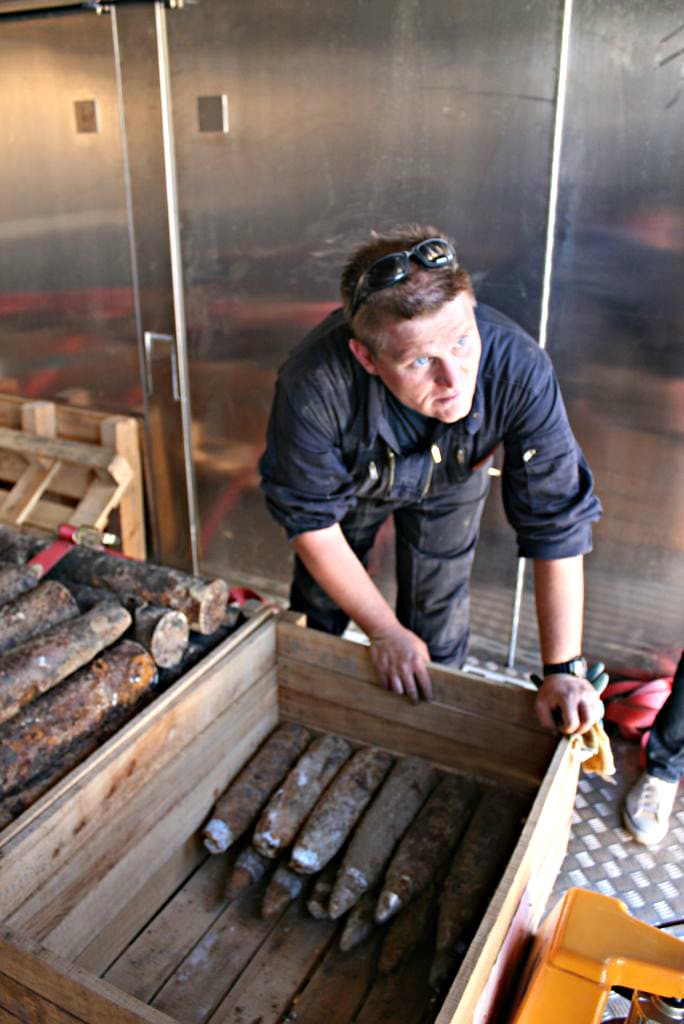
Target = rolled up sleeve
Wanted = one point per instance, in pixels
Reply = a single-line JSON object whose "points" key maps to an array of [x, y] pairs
{"points": [[548, 488]]}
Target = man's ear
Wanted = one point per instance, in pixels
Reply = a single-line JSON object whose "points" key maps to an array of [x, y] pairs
{"points": [[364, 356]]}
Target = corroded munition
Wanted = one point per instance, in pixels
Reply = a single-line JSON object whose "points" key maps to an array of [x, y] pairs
{"points": [[402, 795], [41, 663], [473, 876], [284, 887], [35, 612], [164, 632], [317, 903], [249, 867], [427, 844], [16, 580], [290, 804], [407, 930], [338, 810], [202, 600], [237, 808], [359, 924], [40, 736]]}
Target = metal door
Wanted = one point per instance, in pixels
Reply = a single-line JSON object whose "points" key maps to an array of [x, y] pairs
{"points": [[86, 302]]}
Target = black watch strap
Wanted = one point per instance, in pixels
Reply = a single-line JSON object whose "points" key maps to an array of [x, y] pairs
{"points": [[574, 667]]}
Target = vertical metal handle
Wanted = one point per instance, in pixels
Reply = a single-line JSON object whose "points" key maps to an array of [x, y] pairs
{"points": [[149, 339]]}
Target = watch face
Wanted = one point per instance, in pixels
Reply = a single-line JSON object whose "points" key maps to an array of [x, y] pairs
{"points": [[578, 667]]}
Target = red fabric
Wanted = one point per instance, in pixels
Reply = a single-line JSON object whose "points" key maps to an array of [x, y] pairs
{"points": [[633, 705]]}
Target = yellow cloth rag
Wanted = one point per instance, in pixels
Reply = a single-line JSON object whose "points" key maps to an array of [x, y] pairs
{"points": [[597, 755]]}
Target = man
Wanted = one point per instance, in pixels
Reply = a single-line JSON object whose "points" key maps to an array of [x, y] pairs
{"points": [[651, 799], [394, 405]]}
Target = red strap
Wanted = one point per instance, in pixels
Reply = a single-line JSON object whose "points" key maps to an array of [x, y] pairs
{"points": [[238, 595]]}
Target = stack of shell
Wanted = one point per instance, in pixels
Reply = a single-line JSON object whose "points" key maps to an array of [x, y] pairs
{"points": [[82, 648], [379, 833]]}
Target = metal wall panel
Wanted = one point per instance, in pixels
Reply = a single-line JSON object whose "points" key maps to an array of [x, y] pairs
{"points": [[343, 118], [67, 324], [617, 317]]}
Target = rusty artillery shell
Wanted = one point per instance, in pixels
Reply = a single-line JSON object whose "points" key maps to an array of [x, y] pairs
{"points": [[240, 804]]}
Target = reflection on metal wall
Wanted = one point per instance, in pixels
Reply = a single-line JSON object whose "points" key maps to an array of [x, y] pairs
{"points": [[66, 299], [617, 317], [341, 118], [298, 127]]}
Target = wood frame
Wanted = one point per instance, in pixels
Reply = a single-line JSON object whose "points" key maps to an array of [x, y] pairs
{"points": [[89, 460], [80, 870]]}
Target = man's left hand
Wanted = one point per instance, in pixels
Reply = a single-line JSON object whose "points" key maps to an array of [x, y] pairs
{"points": [[576, 704]]}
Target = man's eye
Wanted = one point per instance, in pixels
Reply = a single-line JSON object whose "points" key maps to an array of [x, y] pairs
{"points": [[463, 342], [421, 360]]}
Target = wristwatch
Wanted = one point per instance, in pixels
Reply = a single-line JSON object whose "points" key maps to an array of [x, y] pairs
{"points": [[575, 667]]}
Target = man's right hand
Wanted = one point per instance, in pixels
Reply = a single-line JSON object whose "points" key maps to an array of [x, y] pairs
{"points": [[400, 658]]}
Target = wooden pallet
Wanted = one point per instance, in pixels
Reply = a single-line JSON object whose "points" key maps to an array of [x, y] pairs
{"points": [[64, 464]]}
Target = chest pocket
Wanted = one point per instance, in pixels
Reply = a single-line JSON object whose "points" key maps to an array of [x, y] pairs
{"points": [[548, 464]]}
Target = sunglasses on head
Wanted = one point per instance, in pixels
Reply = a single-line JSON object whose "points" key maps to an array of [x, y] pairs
{"points": [[431, 253]]}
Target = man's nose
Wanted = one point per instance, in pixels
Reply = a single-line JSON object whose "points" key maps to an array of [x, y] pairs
{"points": [[446, 373]]}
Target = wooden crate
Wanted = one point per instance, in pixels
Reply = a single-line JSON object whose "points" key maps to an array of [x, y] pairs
{"points": [[66, 464], [84, 872]]}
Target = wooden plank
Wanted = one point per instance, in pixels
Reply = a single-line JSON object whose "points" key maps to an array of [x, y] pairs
{"points": [[20, 501], [110, 941], [68, 909], [338, 986], [97, 503], [31, 1007], [70, 988], [121, 434], [202, 980], [46, 836], [11, 466], [378, 717], [39, 418], [8, 1018], [70, 482], [504, 702], [93, 456], [157, 951], [269, 984], [48, 515], [515, 909], [401, 996]]}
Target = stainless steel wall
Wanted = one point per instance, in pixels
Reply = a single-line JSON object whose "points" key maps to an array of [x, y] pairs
{"points": [[341, 118], [617, 317], [66, 297]]}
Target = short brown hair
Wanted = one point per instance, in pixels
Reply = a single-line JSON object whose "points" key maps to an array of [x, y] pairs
{"points": [[424, 291]]}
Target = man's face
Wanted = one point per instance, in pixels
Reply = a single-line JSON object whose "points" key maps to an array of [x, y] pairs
{"points": [[430, 363]]}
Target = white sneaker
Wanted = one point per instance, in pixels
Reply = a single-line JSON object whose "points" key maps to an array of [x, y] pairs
{"points": [[647, 809]]}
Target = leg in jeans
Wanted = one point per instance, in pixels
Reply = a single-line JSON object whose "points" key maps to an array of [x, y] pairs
{"points": [[665, 752], [360, 527], [435, 541]]}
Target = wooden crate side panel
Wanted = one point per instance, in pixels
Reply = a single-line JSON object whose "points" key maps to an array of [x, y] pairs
{"points": [[504, 702], [59, 984], [514, 912], [461, 741], [66, 820], [30, 1007], [110, 941], [68, 909]]}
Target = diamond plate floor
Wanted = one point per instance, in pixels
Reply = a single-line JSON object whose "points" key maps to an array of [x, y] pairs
{"points": [[602, 855]]}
